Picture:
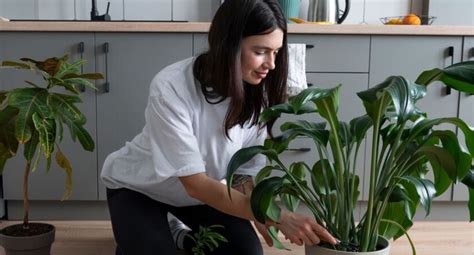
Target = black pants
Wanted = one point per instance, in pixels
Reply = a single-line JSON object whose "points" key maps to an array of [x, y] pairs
{"points": [[140, 226]]}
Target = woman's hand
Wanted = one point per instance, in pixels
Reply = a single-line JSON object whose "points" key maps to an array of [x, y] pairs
{"points": [[263, 230], [301, 230]]}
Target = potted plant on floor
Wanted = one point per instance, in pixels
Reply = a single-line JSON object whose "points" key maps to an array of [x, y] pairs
{"points": [[35, 116], [403, 145]]}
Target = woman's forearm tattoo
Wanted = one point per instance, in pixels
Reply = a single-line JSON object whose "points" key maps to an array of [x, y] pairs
{"points": [[242, 183]]}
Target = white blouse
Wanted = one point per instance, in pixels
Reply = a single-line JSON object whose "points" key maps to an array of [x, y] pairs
{"points": [[183, 135]]}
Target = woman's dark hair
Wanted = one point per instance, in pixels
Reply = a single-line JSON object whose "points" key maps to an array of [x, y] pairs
{"points": [[219, 69]]}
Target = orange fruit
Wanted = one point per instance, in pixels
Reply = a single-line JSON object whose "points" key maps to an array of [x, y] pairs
{"points": [[411, 19]]}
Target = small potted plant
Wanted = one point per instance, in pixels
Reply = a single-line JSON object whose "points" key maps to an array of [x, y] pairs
{"points": [[34, 116], [404, 145]]}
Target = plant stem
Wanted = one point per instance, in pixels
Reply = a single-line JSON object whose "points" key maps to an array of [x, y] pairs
{"points": [[26, 202], [367, 235]]}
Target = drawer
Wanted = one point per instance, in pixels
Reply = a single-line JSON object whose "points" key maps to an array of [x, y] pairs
{"points": [[335, 53]]}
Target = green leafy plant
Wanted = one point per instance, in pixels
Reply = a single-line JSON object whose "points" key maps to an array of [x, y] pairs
{"points": [[206, 239], [404, 145], [35, 117]]}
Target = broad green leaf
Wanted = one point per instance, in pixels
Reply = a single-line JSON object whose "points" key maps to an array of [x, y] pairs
{"points": [[273, 211], [241, 157], [323, 177], [63, 162], [63, 107], [425, 125], [425, 190], [399, 90], [84, 137], [290, 202], [70, 68], [30, 146], [359, 127], [459, 76], [7, 132], [273, 232], [375, 99], [402, 228], [28, 101], [82, 82], [429, 76], [262, 196], [304, 97], [395, 211], [463, 71], [274, 112], [327, 102], [263, 173], [89, 76], [47, 136], [450, 142]]}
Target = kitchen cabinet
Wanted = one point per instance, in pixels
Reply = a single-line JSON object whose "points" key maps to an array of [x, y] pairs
{"points": [[466, 112], [51, 185], [409, 56], [129, 62]]}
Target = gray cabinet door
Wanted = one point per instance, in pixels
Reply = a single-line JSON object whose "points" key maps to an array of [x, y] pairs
{"points": [[409, 56], [131, 62], [350, 107], [335, 53], [200, 43], [51, 185], [466, 112]]}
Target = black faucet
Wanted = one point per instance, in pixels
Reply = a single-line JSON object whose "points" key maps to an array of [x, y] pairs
{"points": [[95, 14]]}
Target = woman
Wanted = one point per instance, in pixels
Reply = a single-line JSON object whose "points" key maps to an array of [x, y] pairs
{"points": [[199, 113]]}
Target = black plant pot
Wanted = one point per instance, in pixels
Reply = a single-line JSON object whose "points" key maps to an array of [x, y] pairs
{"points": [[37, 243]]}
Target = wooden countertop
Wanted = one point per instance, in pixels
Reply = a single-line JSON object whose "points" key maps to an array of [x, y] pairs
{"points": [[115, 26]]}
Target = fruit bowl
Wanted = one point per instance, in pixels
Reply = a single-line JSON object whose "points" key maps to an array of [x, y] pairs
{"points": [[408, 20]]}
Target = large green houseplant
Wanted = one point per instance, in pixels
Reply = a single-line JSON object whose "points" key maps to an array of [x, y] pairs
{"points": [[403, 143], [34, 116]]}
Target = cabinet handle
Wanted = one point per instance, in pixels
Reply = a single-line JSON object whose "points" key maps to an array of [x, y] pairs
{"points": [[310, 85], [80, 49], [450, 54], [107, 83], [309, 46], [299, 149]]}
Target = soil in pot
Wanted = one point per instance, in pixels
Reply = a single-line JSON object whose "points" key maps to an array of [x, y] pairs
{"points": [[33, 230], [383, 248]]}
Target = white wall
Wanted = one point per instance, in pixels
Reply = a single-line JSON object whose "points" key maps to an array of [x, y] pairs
{"points": [[362, 11]]}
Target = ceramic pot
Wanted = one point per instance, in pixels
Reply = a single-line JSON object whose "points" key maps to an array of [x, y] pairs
{"points": [[29, 245], [317, 250]]}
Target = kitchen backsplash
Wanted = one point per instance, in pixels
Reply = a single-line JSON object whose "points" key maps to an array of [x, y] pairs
{"points": [[362, 11]]}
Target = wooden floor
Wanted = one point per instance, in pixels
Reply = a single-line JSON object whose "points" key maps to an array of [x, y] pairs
{"points": [[431, 238]]}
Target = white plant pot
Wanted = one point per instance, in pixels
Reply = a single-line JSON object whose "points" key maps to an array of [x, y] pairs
{"points": [[317, 250]]}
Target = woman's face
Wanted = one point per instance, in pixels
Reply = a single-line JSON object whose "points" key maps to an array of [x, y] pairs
{"points": [[258, 53]]}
